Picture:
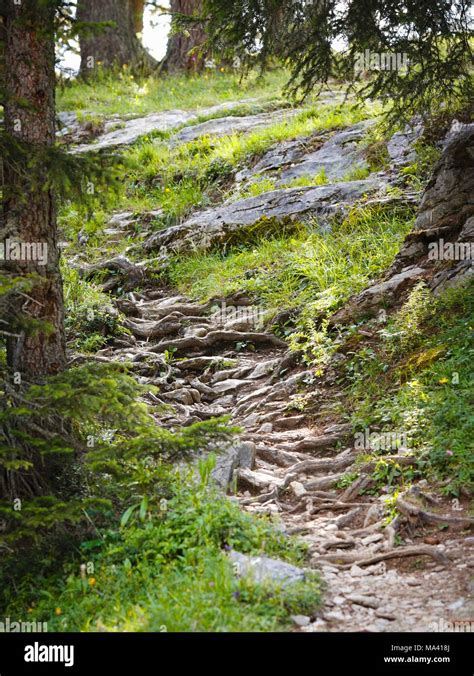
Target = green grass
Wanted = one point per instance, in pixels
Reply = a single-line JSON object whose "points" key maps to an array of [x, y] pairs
{"points": [[313, 272], [168, 571], [90, 317], [123, 94], [264, 184]]}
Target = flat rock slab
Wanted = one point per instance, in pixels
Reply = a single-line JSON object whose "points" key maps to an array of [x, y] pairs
{"points": [[336, 157], [216, 226], [119, 132], [223, 126], [263, 569], [131, 130]]}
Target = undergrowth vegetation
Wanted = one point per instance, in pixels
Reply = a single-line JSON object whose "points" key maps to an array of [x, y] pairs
{"points": [[121, 538], [416, 376], [167, 569]]}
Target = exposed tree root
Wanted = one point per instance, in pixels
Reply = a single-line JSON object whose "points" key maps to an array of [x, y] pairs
{"points": [[216, 337], [149, 330], [130, 275], [399, 552], [415, 512], [315, 466]]}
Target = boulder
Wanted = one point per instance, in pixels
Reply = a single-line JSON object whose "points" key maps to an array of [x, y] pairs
{"points": [[240, 455], [445, 220], [264, 569]]}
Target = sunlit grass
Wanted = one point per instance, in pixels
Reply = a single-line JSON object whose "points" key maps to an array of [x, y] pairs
{"points": [[313, 271], [125, 95]]}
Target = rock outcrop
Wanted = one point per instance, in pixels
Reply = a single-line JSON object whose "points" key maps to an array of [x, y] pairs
{"points": [[440, 248], [218, 225]]}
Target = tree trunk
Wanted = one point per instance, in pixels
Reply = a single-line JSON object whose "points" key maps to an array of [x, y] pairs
{"points": [[138, 7], [182, 54], [115, 45], [29, 213]]}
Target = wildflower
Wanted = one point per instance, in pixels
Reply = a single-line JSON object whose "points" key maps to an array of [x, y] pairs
{"points": [[92, 581], [448, 452], [443, 381], [58, 611]]}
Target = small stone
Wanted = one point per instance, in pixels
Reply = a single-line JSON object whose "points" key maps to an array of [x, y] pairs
{"points": [[456, 605], [413, 582], [366, 601], [318, 624], [301, 620], [338, 600], [231, 384], [266, 428], [334, 615], [356, 571], [469, 541], [298, 488], [431, 540]]}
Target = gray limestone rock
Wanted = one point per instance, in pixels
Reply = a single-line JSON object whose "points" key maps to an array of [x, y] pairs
{"points": [[264, 569], [218, 225], [240, 455]]}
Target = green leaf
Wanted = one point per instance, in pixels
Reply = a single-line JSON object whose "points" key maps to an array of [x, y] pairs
{"points": [[127, 514], [143, 508]]}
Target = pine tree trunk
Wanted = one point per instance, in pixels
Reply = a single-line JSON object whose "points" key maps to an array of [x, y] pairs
{"points": [[181, 54], [115, 45], [29, 212], [138, 7]]}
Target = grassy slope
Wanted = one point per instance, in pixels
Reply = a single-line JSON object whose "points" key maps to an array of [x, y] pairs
{"points": [[312, 273]]}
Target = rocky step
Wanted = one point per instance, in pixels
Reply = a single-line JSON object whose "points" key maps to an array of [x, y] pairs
{"points": [[218, 225]]}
